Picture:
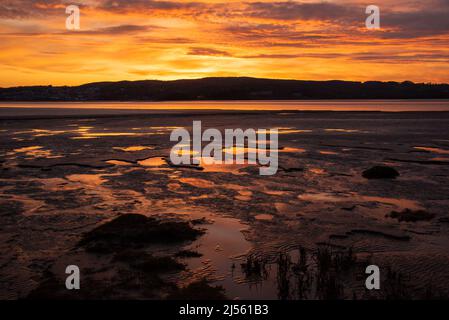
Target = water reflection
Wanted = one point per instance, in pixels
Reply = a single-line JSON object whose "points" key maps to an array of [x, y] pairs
{"points": [[353, 197], [432, 149], [133, 148], [198, 183], [153, 162], [35, 152], [88, 179]]}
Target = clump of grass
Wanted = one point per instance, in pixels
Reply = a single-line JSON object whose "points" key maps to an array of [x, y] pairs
{"points": [[302, 274], [330, 266], [254, 268], [284, 265], [322, 270], [395, 286]]}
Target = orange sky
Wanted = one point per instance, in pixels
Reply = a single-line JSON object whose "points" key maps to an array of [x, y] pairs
{"points": [[145, 39]]}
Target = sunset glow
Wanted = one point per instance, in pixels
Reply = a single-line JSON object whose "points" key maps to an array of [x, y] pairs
{"points": [[137, 39]]}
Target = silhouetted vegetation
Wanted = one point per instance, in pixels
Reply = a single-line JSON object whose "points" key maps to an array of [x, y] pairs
{"points": [[255, 268], [242, 88]]}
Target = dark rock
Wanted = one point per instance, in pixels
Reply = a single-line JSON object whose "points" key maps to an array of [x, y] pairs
{"points": [[188, 254], [200, 221], [136, 231], [291, 169], [411, 216], [381, 172], [145, 262]]}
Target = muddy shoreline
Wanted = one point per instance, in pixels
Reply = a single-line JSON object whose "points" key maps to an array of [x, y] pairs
{"points": [[62, 178]]}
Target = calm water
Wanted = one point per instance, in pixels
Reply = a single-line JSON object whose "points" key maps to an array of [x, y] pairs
{"points": [[74, 108]]}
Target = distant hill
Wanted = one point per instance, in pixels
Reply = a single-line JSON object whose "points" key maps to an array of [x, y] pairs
{"points": [[227, 89]]}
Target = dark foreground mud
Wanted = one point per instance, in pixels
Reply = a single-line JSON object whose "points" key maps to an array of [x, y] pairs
{"points": [[100, 193]]}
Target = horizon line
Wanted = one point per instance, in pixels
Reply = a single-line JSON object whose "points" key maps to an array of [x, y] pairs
{"points": [[236, 77]]}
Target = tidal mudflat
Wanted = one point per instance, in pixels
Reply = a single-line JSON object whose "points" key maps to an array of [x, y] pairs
{"points": [[98, 191]]}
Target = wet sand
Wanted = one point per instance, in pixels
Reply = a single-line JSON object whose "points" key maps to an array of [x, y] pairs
{"points": [[63, 176]]}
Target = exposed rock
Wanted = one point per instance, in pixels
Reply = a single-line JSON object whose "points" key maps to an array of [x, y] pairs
{"points": [[291, 169], [188, 254], [134, 231], [411, 216], [381, 172], [145, 262]]}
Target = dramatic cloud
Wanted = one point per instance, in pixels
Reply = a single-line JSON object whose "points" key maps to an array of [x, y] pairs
{"points": [[309, 39], [208, 52], [292, 10], [117, 30]]}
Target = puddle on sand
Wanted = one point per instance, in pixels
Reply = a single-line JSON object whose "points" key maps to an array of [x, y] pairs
{"points": [[184, 152], [290, 130], [324, 197], [35, 152], [164, 129], [317, 171], [351, 197], [433, 150], [30, 205], [133, 148], [153, 162], [198, 183], [242, 150], [28, 149], [342, 130], [325, 152], [207, 164], [119, 163], [88, 179], [47, 133], [222, 249], [275, 192], [400, 203], [292, 150], [94, 135], [262, 147], [264, 217], [243, 193]]}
